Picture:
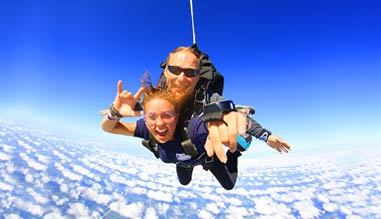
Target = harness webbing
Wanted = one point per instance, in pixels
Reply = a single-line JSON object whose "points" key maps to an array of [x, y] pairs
{"points": [[189, 148]]}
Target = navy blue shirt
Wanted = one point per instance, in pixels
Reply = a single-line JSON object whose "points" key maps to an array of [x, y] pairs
{"points": [[172, 151]]}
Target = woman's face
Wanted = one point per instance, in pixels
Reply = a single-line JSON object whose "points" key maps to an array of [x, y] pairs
{"points": [[161, 119]]}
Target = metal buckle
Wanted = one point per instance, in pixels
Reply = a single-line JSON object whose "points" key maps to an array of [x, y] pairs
{"points": [[209, 160]]}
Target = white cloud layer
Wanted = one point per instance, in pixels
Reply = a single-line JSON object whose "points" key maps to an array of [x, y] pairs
{"points": [[43, 176]]}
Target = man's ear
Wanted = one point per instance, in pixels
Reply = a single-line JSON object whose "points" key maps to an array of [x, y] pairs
{"points": [[165, 72], [198, 76]]}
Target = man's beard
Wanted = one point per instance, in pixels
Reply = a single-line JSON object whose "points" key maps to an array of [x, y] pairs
{"points": [[179, 91]]}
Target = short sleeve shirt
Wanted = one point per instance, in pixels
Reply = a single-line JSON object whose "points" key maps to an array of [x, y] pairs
{"points": [[172, 151]]}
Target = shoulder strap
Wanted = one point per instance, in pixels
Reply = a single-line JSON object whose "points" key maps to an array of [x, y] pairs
{"points": [[151, 144], [186, 143], [189, 148]]}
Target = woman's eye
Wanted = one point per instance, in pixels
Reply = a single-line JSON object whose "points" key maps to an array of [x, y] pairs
{"points": [[168, 115]]}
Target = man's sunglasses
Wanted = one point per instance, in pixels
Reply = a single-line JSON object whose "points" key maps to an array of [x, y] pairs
{"points": [[187, 71]]}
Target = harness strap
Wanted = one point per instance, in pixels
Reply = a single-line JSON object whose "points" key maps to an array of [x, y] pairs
{"points": [[215, 110], [189, 148], [186, 143], [199, 99], [152, 146]]}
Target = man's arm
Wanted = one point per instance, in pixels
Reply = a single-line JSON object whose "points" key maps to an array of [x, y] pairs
{"points": [[255, 129], [235, 123], [223, 130]]}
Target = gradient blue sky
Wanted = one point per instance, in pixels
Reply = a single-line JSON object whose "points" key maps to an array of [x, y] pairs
{"points": [[310, 68]]}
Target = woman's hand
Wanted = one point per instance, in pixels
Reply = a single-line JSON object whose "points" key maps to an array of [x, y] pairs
{"points": [[124, 101]]}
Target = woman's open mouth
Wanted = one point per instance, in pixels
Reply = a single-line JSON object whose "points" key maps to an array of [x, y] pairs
{"points": [[161, 132]]}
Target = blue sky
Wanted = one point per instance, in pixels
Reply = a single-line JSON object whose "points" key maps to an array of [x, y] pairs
{"points": [[310, 68]]}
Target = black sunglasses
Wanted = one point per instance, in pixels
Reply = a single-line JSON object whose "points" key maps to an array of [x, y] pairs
{"points": [[187, 71]]}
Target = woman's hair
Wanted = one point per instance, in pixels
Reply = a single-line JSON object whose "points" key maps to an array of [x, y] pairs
{"points": [[158, 93]]}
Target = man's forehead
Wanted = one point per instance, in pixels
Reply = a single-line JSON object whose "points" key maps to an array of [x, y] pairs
{"points": [[183, 56]]}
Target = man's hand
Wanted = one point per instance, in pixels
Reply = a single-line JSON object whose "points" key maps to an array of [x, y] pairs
{"points": [[125, 102], [225, 132], [278, 144]]}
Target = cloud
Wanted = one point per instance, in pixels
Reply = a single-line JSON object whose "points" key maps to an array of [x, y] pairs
{"points": [[133, 210], [59, 154], [241, 191], [5, 186], [160, 196], [237, 212], [24, 205], [43, 159], [204, 214], [29, 178], [39, 198], [163, 208], [234, 201], [212, 207], [12, 216], [116, 178], [306, 209], [79, 210], [150, 214], [347, 211], [330, 207], [5, 157], [93, 194], [322, 198], [264, 205], [143, 176], [32, 163], [26, 146], [59, 201], [80, 169], [96, 166], [67, 173], [68, 176], [55, 214]]}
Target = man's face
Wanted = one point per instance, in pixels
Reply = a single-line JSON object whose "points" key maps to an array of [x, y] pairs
{"points": [[181, 83]]}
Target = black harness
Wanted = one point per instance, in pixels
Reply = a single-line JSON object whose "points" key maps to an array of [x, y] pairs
{"points": [[210, 82]]}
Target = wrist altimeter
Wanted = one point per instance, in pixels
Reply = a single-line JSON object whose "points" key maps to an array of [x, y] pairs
{"points": [[215, 110]]}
